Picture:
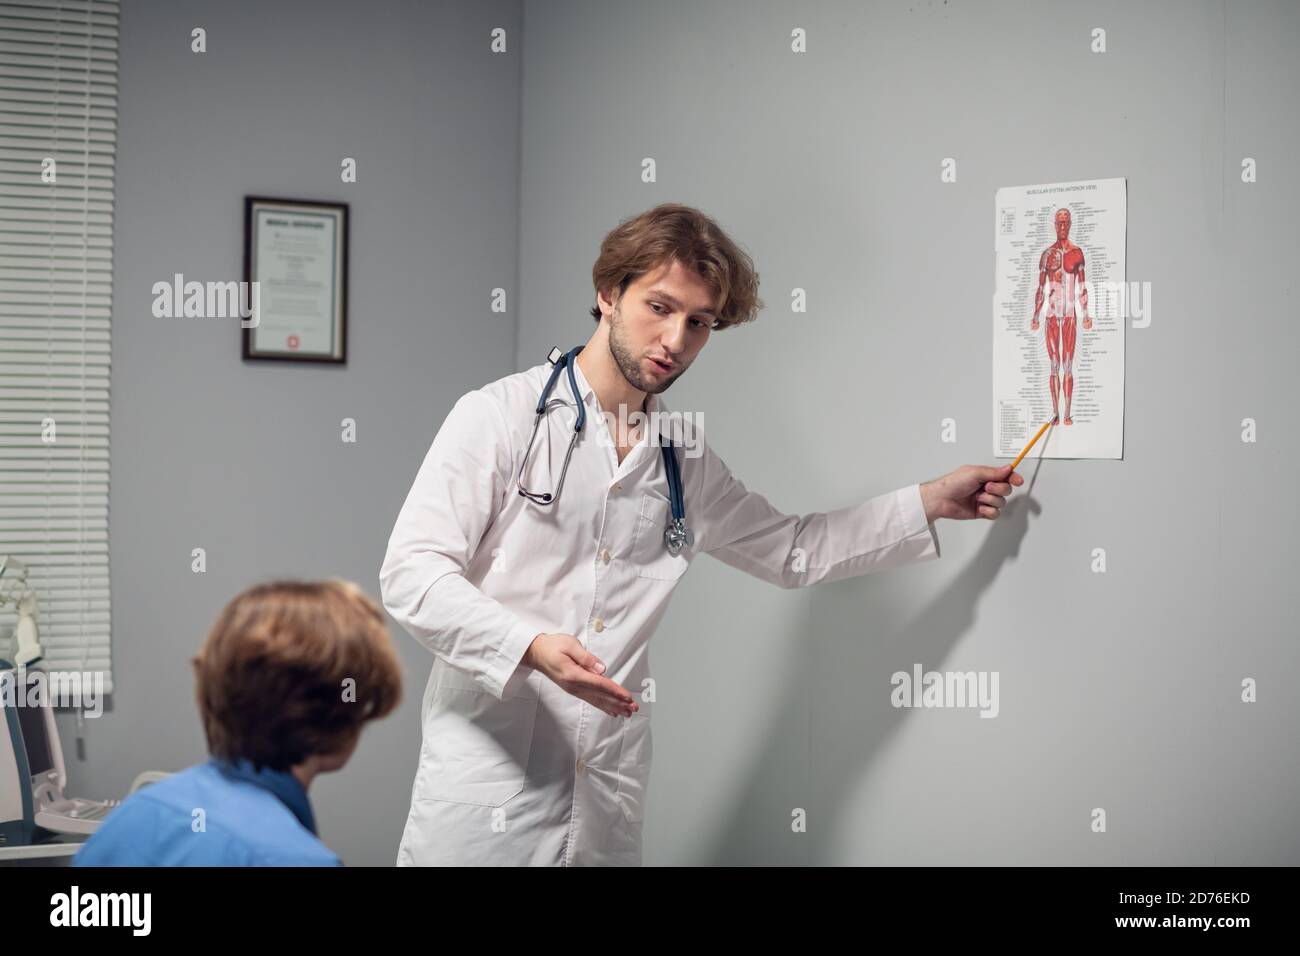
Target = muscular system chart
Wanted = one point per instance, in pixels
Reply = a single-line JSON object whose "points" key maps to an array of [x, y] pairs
{"points": [[1058, 318]]}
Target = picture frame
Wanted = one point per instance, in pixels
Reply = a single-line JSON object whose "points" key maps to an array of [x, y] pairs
{"points": [[296, 270]]}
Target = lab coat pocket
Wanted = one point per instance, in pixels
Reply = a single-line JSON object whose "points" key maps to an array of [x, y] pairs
{"points": [[476, 746], [635, 755], [649, 554]]}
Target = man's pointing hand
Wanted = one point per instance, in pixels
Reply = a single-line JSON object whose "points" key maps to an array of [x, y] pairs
{"points": [[972, 491]]}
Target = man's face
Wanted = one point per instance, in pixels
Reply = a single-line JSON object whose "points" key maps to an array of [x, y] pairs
{"points": [[1063, 224], [665, 314]]}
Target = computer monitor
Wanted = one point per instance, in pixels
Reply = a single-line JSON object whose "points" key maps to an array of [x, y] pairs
{"points": [[17, 811], [41, 737], [40, 732], [32, 772], [35, 773]]}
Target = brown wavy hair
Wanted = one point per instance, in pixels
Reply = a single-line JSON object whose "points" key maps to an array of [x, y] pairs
{"points": [[673, 231], [270, 677]]}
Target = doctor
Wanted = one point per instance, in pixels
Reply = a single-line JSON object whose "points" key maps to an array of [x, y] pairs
{"points": [[539, 611]]}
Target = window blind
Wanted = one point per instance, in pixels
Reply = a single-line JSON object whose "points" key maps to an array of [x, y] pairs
{"points": [[58, 104]]}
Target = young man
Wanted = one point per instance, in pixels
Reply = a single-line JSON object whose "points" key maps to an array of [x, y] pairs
{"points": [[288, 676], [539, 610]]}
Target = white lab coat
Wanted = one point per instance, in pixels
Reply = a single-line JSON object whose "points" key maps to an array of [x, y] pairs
{"points": [[512, 769]]}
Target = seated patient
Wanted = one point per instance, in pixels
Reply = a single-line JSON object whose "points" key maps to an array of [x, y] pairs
{"points": [[289, 674]]}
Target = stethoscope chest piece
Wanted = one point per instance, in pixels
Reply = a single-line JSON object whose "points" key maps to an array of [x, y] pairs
{"points": [[677, 535]]}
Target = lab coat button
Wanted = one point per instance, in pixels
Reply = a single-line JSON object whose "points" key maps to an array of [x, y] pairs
{"points": [[604, 555], [582, 765], [619, 486], [598, 625]]}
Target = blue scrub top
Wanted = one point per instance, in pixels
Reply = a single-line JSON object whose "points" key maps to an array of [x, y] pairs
{"points": [[250, 818]]}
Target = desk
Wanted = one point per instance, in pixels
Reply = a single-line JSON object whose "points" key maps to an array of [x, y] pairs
{"points": [[55, 851]]}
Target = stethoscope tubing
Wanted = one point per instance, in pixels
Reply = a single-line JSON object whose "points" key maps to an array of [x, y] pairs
{"points": [[676, 495]]}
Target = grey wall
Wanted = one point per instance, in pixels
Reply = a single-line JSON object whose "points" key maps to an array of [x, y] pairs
{"points": [[1118, 690], [245, 459]]}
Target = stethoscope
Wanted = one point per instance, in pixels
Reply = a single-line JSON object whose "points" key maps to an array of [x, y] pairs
{"points": [[676, 535]]}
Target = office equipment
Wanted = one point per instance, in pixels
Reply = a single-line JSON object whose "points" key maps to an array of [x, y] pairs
{"points": [[17, 818], [14, 591], [33, 776]]}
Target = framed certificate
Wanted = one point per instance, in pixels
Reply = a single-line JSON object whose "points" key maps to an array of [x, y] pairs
{"points": [[296, 267]]}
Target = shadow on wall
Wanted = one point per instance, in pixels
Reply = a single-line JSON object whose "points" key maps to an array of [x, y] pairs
{"points": [[928, 637]]}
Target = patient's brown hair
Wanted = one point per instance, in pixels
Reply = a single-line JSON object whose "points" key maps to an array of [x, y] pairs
{"points": [[271, 673], [674, 231]]}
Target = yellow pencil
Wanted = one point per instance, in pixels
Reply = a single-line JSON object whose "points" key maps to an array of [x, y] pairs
{"points": [[1031, 444]]}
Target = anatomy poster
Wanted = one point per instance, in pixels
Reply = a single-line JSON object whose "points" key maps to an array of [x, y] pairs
{"points": [[1058, 319]]}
